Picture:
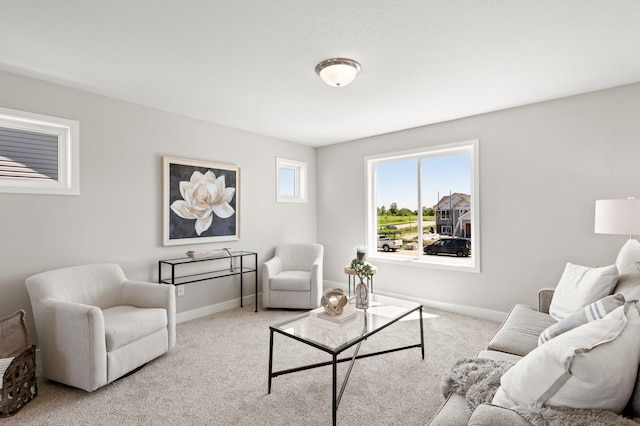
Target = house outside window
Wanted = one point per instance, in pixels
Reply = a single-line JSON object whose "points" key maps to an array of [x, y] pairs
{"points": [[39, 154], [440, 182], [452, 210]]}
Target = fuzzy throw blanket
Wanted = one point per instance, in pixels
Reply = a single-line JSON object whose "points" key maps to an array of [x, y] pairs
{"points": [[478, 379]]}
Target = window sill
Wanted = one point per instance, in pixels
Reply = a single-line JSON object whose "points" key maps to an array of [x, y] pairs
{"points": [[435, 262]]}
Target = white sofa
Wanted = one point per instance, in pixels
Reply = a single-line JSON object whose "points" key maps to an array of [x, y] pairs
{"points": [[94, 326], [518, 336], [292, 279]]}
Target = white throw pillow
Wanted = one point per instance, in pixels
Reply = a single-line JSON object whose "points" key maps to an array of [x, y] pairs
{"points": [[628, 258], [592, 366], [595, 311], [580, 286]]}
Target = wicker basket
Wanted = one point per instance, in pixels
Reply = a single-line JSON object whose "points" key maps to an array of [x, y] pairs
{"points": [[19, 384]]}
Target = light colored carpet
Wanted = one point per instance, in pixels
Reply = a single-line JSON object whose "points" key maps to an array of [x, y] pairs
{"points": [[217, 375]]}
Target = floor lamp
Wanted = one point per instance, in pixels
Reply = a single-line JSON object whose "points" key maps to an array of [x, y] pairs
{"points": [[621, 217]]}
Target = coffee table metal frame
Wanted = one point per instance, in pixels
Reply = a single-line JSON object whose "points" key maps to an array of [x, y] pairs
{"points": [[362, 318]]}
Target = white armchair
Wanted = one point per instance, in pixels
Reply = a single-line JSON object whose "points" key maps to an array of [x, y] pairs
{"points": [[293, 277], [94, 326]]}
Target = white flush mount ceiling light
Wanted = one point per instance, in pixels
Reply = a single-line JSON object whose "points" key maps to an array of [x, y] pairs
{"points": [[338, 72]]}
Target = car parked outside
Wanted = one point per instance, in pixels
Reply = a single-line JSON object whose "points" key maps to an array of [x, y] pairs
{"points": [[458, 246], [388, 244]]}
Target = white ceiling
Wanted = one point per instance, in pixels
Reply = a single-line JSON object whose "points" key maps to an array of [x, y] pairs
{"points": [[249, 64]]}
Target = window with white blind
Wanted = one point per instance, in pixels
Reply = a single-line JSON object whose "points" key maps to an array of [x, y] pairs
{"points": [[38, 153]]}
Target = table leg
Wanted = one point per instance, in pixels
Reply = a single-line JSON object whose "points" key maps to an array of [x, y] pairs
{"points": [[421, 334], [270, 360], [334, 404], [255, 263], [241, 275]]}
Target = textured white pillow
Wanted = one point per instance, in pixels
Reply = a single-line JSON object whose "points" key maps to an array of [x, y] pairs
{"points": [[592, 366], [628, 257], [580, 286], [595, 311]]}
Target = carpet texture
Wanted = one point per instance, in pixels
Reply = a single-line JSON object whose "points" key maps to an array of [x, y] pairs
{"points": [[217, 375]]}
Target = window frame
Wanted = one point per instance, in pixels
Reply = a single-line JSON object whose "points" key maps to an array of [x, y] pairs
{"points": [[299, 180], [471, 264], [67, 131]]}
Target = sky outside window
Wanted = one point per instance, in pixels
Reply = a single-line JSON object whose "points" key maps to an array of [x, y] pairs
{"points": [[287, 182], [397, 181]]}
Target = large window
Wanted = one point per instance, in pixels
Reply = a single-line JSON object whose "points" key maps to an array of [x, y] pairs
{"points": [[420, 197], [38, 153]]}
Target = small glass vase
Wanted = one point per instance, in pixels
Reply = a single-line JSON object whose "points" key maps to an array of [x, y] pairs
{"points": [[362, 296]]}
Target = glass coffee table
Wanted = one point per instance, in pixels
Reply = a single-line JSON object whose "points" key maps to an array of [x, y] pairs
{"points": [[337, 338]]}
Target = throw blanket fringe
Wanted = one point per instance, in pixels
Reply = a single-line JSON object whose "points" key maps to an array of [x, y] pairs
{"points": [[478, 379]]}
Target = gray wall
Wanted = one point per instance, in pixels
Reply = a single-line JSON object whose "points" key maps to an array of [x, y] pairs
{"points": [[117, 216], [541, 169]]}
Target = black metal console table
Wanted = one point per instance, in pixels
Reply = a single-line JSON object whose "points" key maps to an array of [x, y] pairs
{"points": [[212, 274]]}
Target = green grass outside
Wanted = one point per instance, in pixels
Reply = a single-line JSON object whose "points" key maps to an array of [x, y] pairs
{"points": [[401, 220]]}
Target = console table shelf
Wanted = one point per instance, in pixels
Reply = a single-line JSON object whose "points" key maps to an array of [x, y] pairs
{"points": [[187, 278]]}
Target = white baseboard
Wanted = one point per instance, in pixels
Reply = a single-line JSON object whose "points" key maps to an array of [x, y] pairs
{"points": [[213, 309], [444, 306]]}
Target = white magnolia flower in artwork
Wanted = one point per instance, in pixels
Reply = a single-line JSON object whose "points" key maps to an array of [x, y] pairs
{"points": [[203, 195]]}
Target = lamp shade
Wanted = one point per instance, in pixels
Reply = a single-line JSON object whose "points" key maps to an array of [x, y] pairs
{"points": [[338, 72], [618, 217]]}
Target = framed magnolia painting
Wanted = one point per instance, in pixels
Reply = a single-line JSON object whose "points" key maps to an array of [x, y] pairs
{"points": [[200, 201]]}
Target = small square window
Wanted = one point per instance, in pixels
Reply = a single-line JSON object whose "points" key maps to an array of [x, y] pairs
{"points": [[38, 154], [291, 177]]}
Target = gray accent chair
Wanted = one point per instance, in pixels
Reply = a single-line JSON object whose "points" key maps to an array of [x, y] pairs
{"points": [[95, 326], [292, 279]]}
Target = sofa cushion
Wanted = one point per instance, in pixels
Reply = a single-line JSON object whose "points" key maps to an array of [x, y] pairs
{"points": [[452, 412], [493, 415], [291, 281], [592, 366], [519, 332], [580, 286], [499, 356], [596, 310], [118, 321]]}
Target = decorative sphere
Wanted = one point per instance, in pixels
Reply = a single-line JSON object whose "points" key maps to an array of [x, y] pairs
{"points": [[334, 301]]}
